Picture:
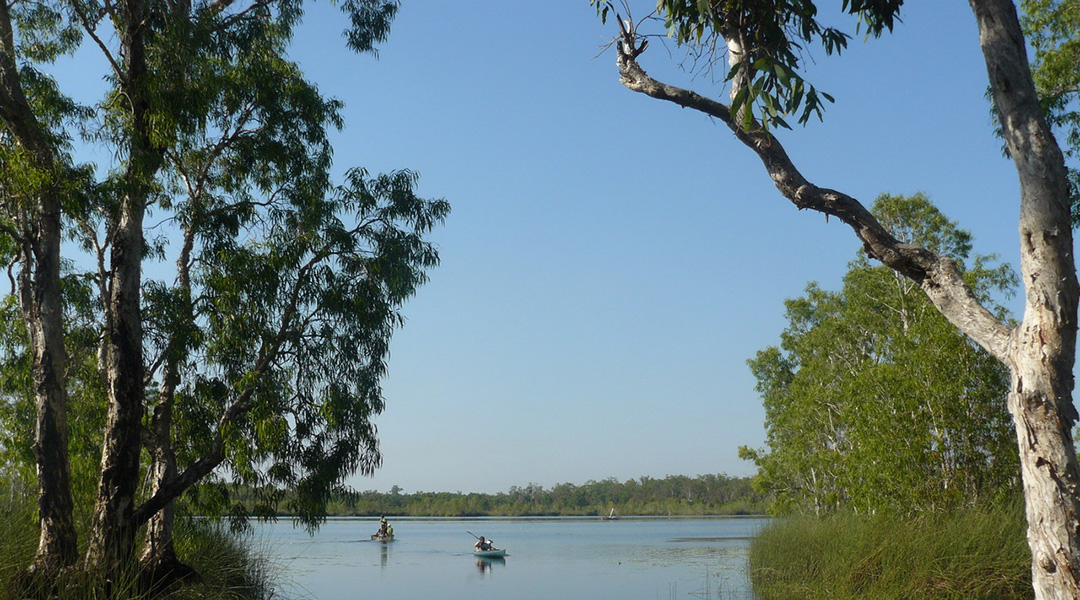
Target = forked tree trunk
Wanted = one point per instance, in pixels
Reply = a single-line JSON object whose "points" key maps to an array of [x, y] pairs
{"points": [[1044, 345], [112, 536]]}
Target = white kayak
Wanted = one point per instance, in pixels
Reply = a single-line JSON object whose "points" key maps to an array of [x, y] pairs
{"points": [[493, 553]]}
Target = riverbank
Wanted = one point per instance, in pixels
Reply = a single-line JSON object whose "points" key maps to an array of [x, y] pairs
{"points": [[979, 554]]}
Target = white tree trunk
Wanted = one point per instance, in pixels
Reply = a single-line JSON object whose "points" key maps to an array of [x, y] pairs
{"points": [[1041, 352]]}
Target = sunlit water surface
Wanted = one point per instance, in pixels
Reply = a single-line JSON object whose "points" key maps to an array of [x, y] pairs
{"points": [[565, 559]]}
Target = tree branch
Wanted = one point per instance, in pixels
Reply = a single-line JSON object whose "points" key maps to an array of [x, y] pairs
{"points": [[938, 275]]}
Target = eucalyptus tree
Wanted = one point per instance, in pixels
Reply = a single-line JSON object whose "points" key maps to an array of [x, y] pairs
{"points": [[272, 339], [270, 343], [762, 42], [873, 401]]}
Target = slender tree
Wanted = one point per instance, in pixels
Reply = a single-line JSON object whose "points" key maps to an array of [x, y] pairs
{"points": [[762, 42], [38, 177]]}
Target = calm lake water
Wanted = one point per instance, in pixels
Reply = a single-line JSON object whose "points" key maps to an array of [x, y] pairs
{"points": [[564, 559]]}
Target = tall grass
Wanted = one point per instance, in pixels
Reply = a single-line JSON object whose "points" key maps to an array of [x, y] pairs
{"points": [[229, 567], [979, 554], [18, 531]]}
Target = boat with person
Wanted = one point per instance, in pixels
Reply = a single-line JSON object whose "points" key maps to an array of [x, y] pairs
{"points": [[385, 532], [484, 548]]}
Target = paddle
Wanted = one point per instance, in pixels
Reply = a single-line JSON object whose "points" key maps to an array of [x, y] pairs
{"points": [[472, 534]]}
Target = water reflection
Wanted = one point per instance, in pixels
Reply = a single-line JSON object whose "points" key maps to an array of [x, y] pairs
{"points": [[484, 565], [384, 555]]}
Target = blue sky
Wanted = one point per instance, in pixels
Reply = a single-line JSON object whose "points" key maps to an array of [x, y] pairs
{"points": [[612, 261]]}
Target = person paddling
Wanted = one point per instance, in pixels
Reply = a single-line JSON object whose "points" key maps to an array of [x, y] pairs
{"points": [[483, 545], [385, 531]]}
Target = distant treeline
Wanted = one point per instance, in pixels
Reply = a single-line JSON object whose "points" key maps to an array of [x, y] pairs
{"points": [[672, 495]]}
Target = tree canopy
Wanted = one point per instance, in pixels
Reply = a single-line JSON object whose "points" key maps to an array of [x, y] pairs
{"points": [[873, 401]]}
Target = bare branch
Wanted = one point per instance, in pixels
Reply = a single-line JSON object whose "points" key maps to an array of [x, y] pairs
{"points": [[90, 26]]}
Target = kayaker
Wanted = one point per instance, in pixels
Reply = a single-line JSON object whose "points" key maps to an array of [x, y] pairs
{"points": [[389, 531], [382, 527], [483, 545]]}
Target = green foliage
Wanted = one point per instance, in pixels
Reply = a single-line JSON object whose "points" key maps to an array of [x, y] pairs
{"points": [[976, 554], [288, 287], [1051, 28], [773, 36], [873, 401]]}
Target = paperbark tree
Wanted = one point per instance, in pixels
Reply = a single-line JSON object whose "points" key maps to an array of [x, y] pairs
{"points": [[761, 40], [32, 192]]}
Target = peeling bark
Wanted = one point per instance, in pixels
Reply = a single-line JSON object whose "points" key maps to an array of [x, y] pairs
{"points": [[112, 536]]}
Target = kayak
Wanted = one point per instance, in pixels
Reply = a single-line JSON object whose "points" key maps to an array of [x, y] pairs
{"points": [[381, 538], [494, 553]]}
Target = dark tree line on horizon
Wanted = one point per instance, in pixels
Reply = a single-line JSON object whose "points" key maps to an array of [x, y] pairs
{"points": [[712, 494]]}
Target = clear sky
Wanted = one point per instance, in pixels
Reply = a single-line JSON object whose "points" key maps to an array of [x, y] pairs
{"points": [[612, 261]]}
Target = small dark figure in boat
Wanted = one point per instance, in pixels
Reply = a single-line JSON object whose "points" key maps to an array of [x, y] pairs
{"points": [[385, 530], [483, 545]]}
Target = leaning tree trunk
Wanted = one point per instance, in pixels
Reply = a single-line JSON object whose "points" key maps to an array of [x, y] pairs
{"points": [[158, 561]]}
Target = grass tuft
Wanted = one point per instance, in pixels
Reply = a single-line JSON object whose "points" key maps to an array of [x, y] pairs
{"points": [[979, 554]]}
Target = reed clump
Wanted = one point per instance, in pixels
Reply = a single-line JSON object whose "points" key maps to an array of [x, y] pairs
{"points": [[976, 554], [228, 566]]}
